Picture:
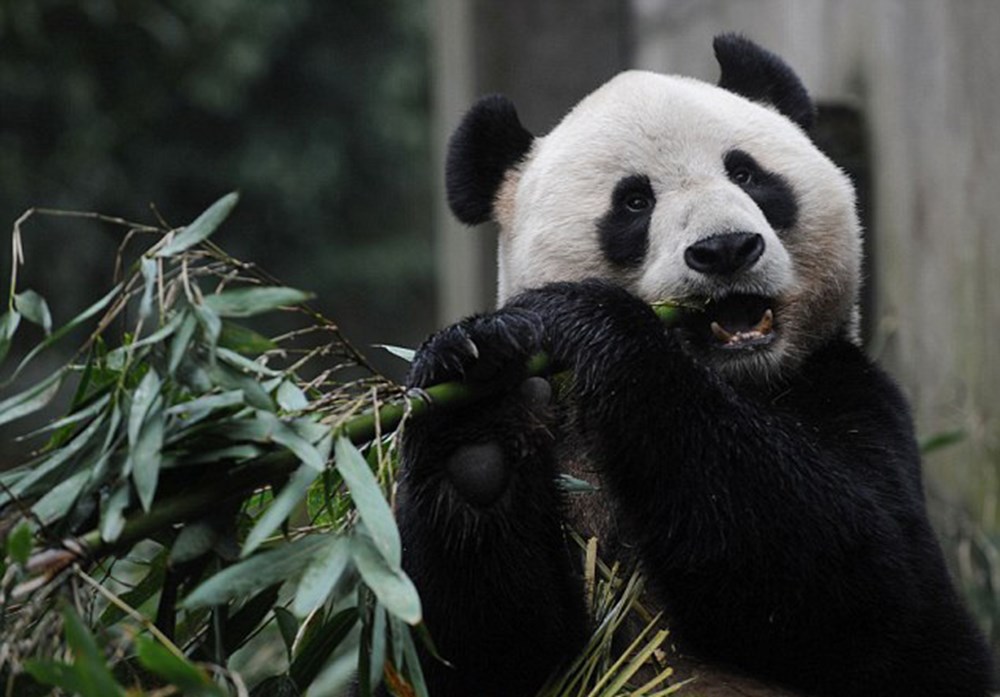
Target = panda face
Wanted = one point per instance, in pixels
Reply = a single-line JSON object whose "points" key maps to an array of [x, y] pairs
{"points": [[680, 190]]}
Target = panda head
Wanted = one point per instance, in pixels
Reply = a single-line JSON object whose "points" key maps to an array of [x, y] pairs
{"points": [[677, 190]]}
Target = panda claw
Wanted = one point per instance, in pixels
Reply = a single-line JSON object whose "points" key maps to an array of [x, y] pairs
{"points": [[471, 347]]}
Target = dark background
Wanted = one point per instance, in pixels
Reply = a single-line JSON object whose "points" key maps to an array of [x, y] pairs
{"points": [[316, 111]]}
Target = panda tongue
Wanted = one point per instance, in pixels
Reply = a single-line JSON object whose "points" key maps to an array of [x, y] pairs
{"points": [[759, 331]]}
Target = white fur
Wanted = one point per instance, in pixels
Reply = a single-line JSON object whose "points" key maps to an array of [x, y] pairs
{"points": [[676, 130]]}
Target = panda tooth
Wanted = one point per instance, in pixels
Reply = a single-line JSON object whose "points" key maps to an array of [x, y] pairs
{"points": [[766, 322], [720, 333]]}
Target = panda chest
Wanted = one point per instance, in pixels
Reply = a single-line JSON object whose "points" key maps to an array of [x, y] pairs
{"points": [[591, 513]]}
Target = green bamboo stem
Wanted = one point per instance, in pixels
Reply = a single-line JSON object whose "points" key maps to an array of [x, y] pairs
{"points": [[192, 505], [362, 428]]}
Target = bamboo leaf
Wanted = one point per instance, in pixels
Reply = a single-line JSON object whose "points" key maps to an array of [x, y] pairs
{"points": [[284, 502], [194, 410], [19, 543], [33, 308], [572, 485], [398, 351], [283, 434], [65, 329], [368, 499], [243, 363], [379, 639], [412, 662], [32, 399], [290, 397], [315, 432], [150, 585], [147, 456], [313, 654], [259, 571], [246, 302], [59, 501], [325, 569], [398, 629], [42, 473], [211, 324], [116, 357], [8, 326], [142, 399], [236, 337], [338, 674], [113, 513], [202, 227], [94, 676], [192, 680], [391, 585], [181, 341], [145, 436], [56, 674], [254, 393], [941, 440], [288, 626], [149, 274], [241, 624], [71, 419]]}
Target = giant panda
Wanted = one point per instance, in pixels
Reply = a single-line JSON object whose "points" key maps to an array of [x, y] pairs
{"points": [[755, 463]]}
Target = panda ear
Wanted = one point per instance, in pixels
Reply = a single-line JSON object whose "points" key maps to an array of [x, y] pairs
{"points": [[487, 143], [761, 76]]}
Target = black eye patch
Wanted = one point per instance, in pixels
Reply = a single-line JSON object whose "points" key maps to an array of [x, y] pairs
{"points": [[624, 229], [770, 191]]}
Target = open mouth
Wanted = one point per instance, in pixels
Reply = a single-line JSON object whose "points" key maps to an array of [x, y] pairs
{"points": [[734, 323]]}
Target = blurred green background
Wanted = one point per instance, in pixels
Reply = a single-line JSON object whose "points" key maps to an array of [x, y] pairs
{"points": [[316, 111]]}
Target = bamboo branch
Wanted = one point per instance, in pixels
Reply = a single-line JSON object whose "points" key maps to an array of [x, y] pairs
{"points": [[361, 428], [192, 505]]}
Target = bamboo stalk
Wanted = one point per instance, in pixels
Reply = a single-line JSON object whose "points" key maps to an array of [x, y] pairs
{"points": [[361, 428]]}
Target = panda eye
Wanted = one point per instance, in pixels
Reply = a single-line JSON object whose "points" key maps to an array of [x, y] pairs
{"points": [[742, 176], [637, 203]]}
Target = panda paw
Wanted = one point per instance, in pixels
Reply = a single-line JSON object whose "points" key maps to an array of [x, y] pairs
{"points": [[478, 450], [491, 349], [594, 327]]}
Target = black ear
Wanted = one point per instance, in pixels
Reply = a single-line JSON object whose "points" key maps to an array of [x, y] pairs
{"points": [[761, 76], [488, 142]]}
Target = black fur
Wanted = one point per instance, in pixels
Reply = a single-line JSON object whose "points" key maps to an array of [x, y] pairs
{"points": [[784, 527], [761, 76], [770, 191], [497, 584], [624, 229], [488, 142]]}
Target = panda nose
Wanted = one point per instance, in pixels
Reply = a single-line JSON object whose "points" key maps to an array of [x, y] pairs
{"points": [[726, 254]]}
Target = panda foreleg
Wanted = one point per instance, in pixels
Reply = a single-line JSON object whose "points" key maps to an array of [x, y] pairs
{"points": [[480, 513]]}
